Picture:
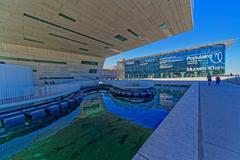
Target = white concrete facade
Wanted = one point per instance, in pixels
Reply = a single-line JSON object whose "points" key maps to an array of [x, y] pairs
{"points": [[15, 76]]}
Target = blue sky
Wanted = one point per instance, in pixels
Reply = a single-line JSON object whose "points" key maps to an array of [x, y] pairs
{"points": [[214, 20]]}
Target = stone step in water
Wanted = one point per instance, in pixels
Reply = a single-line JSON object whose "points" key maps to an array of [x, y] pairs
{"points": [[36, 116], [53, 111], [64, 107], [13, 122]]}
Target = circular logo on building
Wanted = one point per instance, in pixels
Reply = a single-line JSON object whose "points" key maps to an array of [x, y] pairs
{"points": [[216, 57]]}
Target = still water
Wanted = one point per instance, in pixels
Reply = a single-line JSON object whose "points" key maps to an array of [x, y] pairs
{"points": [[101, 128]]}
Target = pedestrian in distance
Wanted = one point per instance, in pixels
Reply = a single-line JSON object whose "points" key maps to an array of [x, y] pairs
{"points": [[218, 79], [209, 78]]}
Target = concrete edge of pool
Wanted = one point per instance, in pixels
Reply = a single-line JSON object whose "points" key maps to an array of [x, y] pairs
{"points": [[177, 135]]}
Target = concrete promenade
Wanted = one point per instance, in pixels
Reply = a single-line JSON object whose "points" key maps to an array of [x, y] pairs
{"points": [[220, 121], [202, 127]]}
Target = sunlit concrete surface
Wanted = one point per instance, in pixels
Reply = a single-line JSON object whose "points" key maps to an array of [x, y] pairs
{"points": [[204, 126], [220, 118]]}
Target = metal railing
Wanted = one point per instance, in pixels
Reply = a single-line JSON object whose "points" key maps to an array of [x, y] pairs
{"points": [[234, 80], [12, 95]]}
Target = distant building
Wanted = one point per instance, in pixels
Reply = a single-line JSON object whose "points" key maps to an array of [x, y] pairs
{"points": [[114, 73], [121, 69], [109, 74], [190, 62]]}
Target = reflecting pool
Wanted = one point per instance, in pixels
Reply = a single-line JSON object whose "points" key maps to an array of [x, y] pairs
{"points": [[101, 128]]}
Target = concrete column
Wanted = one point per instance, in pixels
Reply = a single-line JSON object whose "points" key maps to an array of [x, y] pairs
{"points": [[211, 72], [182, 74], [161, 75], [195, 74]]}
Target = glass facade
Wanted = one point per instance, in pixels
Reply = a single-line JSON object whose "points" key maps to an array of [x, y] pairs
{"points": [[197, 62]]}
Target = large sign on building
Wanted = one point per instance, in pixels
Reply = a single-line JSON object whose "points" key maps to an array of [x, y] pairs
{"points": [[193, 62]]}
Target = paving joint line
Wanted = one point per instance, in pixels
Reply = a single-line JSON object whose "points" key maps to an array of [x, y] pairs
{"points": [[143, 155], [224, 148], [200, 133]]}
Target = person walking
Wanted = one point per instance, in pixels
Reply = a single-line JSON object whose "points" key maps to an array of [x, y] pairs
{"points": [[218, 79], [209, 78]]}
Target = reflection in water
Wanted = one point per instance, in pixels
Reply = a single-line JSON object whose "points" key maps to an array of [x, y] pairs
{"points": [[148, 114], [105, 129], [91, 105], [168, 96], [166, 99], [147, 117]]}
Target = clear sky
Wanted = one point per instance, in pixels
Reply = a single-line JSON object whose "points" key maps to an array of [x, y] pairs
{"points": [[214, 21]]}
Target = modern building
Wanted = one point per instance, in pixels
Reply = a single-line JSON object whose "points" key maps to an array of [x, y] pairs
{"points": [[68, 40], [191, 62], [121, 68], [65, 43]]}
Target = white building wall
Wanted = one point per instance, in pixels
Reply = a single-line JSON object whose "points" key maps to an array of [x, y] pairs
{"points": [[12, 76]]}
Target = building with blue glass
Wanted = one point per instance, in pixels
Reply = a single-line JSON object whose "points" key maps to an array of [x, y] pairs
{"points": [[191, 62]]}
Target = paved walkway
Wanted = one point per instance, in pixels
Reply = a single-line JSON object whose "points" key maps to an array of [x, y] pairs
{"points": [[220, 121]]}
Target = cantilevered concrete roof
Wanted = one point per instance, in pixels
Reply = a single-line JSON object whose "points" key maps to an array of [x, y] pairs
{"points": [[227, 43], [92, 27]]}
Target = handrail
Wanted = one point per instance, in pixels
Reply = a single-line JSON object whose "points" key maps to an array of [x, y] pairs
{"points": [[12, 95]]}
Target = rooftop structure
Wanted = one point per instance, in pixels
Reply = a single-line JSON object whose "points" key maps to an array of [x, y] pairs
{"points": [[63, 41], [95, 28]]}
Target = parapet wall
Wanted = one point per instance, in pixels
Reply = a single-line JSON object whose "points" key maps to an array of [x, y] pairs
{"points": [[15, 76]]}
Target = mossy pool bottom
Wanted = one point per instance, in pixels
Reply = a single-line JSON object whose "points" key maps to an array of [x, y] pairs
{"points": [[102, 136]]}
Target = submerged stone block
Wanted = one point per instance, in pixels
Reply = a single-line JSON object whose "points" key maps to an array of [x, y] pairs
{"points": [[123, 94], [77, 101], [129, 94], [143, 94], [14, 121], [150, 94], [35, 116], [53, 111], [64, 107], [72, 104], [136, 95]]}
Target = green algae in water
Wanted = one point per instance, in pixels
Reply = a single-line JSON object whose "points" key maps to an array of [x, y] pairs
{"points": [[95, 135], [104, 136]]}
